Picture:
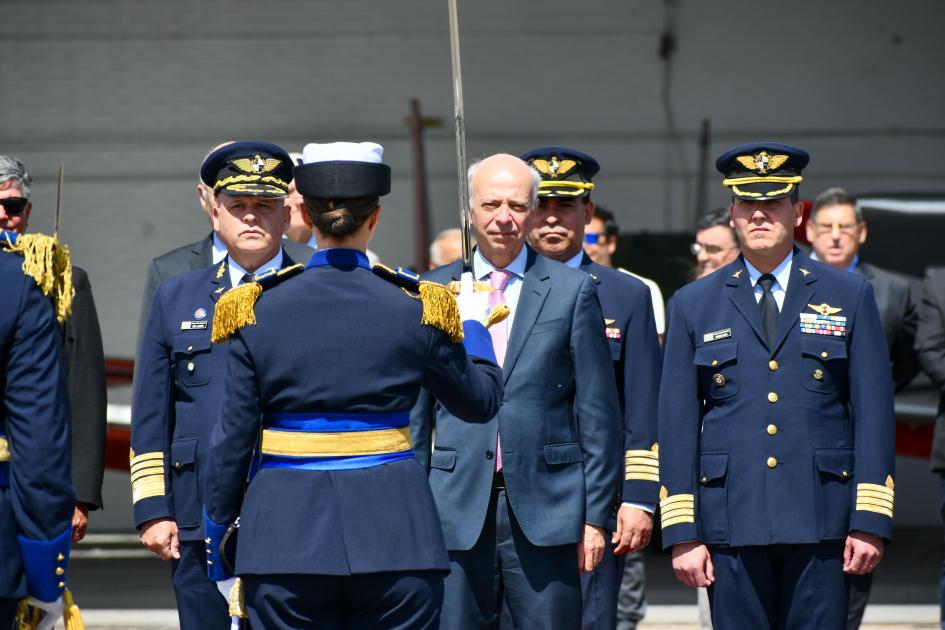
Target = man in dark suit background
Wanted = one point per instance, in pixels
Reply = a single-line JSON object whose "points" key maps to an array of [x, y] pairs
{"points": [[557, 231], [526, 498], [930, 347], [836, 231], [209, 250], [83, 359]]}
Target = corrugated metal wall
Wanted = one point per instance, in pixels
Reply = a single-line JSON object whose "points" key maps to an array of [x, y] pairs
{"points": [[130, 95]]}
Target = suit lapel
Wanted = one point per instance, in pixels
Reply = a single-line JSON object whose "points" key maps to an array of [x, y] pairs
{"points": [[203, 253], [740, 292], [535, 289], [796, 297]]}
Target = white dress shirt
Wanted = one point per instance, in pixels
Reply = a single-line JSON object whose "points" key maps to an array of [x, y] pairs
{"points": [[482, 268], [219, 250], [781, 273], [237, 272]]}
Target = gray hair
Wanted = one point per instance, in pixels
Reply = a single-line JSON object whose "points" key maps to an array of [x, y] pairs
{"points": [[533, 195], [836, 197], [435, 256], [12, 169]]}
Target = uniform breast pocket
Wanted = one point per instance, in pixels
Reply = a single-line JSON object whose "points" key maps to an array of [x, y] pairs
{"points": [[718, 369], [192, 360], [824, 363]]}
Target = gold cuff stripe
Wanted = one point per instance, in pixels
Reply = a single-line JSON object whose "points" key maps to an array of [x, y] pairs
{"points": [[643, 467], [643, 453], [147, 465], [146, 488], [4, 449], [147, 472], [342, 444], [677, 498], [877, 502], [875, 487], [865, 507], [144, 457], [642, 477], [873, 495], [666, 522]]}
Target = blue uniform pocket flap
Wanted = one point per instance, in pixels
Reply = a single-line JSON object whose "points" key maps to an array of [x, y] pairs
{"points": [[835, 461], [563, 453], [823, 348], [183, 452], [716, 354], [712, 466], [442, 459], [187, 344]]}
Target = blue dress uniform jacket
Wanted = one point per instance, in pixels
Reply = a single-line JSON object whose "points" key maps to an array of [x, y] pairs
{"points": [[179, 385], [780, 445], [630, 328], [36, 495], [337, 342], [561, 432]]}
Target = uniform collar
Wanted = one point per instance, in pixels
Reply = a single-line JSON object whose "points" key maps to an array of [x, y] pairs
{"points": [[576, 261], [483, 267], [236, 272], [781, 273], [219, 249], [339, 257]]}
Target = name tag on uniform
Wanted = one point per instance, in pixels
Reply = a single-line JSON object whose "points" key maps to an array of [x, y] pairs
{"points": [[725, 333], [193, 325]]}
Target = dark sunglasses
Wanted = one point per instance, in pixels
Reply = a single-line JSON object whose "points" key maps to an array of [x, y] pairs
{"points": [[14, 206], [594, 238]]}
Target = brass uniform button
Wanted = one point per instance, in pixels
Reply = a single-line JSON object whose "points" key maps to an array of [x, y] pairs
{"points": [[845, 474], [772, 365], [60, 571], [772, 429], [190, 366], [177, 465], [772, 397], [719, 379], [772, 462], [60, 557], [819, 374], [189, 348], [824, 354], [62, 585], [715, 362], [704, 480]]}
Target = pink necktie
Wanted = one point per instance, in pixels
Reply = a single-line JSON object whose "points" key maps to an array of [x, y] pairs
{"points": [[500, 335]]}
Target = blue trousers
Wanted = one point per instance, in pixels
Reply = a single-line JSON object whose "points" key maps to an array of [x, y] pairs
{"points": [[395, 600], [600, 590], [200, 606], [779, 587], [7, 611], [540, 584]]}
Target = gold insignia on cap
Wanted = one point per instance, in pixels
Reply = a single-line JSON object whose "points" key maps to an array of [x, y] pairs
{"points": [[825, 309], [762, 162], [256, 164], [554, 167]]}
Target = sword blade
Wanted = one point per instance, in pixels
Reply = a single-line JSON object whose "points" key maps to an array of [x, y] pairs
{"points": [[58, 204], [461, 164]]}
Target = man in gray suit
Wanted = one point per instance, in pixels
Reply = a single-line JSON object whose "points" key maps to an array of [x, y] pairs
{"points": [[526, 497], [209, 250]]}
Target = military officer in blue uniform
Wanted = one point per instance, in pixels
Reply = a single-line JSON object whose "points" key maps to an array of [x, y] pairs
{"points": [[36, 494], [337, 526], [775, 418], [181, 377], [557, 231]]}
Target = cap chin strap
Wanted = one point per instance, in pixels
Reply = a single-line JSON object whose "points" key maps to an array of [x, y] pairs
{"points": [[580, 188], [773, 193], [732, 181]]}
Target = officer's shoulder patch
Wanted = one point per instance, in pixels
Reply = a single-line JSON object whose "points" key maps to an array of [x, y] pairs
{"points": [[236, 307], [48, 263], [403, 278]]}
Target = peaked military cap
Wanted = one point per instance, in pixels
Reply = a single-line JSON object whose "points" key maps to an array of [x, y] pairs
{"points": [[342, 170], [762, 170], [564, 172], [248, 168]]}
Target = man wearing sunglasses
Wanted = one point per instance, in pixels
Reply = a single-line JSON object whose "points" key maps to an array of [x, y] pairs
{"points": [[716, 244], [557, 231], [83, 358]]}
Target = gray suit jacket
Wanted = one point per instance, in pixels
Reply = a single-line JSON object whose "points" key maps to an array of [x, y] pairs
{"points": [[898, 314], [560, 420], [196, 255], [930, 347]]}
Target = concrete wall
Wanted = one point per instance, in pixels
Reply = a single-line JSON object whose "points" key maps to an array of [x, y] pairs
{"points": [[131, 95]]}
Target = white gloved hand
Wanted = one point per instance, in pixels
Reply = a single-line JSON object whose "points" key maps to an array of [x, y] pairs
{"points": [[225, 586], [52, 612], [473, 304]]}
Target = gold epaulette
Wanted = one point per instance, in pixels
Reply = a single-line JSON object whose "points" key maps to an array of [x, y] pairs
{"points": [[498, 313], [71, 616], [478, 287], [48, 263], [440, 309], [236, 308]]}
